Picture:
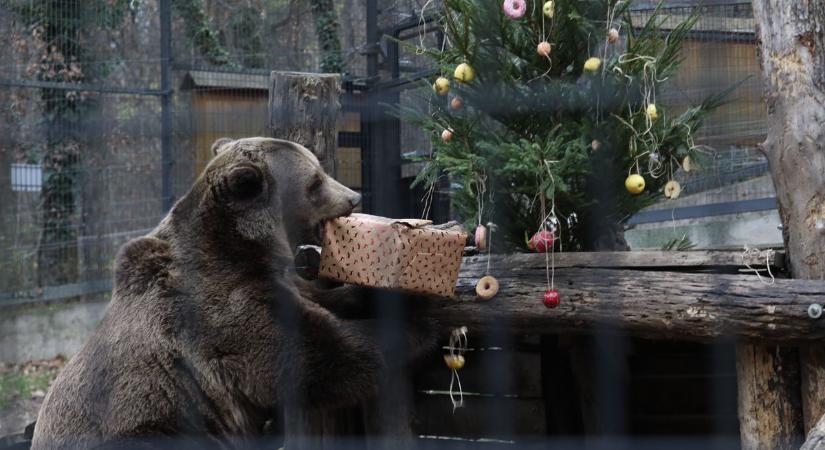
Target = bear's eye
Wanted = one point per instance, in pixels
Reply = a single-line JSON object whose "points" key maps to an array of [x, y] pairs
{"points": [[316, 184]]}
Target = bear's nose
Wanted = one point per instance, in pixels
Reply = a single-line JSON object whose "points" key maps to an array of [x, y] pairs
{"points": [[355, 200]]}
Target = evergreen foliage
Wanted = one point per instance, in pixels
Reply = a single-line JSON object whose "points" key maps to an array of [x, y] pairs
{"points": [[539, 130]]}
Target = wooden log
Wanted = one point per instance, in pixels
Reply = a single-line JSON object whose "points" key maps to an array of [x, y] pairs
{"points": [[304, 108], [770, 416], [654, 304], [816, 437], [704, 261], [792, 53], [812, 371]]}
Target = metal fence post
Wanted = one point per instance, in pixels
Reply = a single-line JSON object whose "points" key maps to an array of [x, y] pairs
{"points": [[167, 196]]}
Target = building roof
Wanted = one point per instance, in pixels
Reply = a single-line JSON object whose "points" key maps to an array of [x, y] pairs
{"points": [[225, 80]]}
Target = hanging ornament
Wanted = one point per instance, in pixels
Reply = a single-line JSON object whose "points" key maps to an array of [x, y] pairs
{"points": [[687, 164], [652, 112], [552, 298], [673, 189], [464, 73], [454, 362], [441, 86], [549, 9], [592, 65], [481, 238], [542, 241], [487, 287], [514, 9], [612, 35], [447, 135], [544, 49], [456, 102], [635, 184]]}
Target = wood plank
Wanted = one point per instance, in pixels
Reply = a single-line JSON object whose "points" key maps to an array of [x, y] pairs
{"points": [[705, 260], [653, 304]]}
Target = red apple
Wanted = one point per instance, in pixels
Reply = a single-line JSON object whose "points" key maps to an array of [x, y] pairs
{"points": [[551, 298], [542, 241]]}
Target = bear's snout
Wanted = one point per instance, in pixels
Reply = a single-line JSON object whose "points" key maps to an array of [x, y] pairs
{"points": [[355, 200]]}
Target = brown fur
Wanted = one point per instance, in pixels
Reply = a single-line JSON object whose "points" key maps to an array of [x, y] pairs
{"points": [[206, 331]]}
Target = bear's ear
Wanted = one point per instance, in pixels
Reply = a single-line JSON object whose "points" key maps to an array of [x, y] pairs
{"points": [[216, 146], [244, 182]]}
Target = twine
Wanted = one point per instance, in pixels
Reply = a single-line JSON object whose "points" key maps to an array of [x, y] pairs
{"points": [[422, 25], [768, 253], [545, 36], [457, 347], [549, 261], [428, 199]]}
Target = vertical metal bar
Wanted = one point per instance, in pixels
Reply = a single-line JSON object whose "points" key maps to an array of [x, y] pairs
{"points": [[367, 111], [372, 38], [366, 154], [393, 56], [166, 103]]}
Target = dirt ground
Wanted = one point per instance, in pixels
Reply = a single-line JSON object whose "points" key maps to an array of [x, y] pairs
{"points": [[22, 389]]}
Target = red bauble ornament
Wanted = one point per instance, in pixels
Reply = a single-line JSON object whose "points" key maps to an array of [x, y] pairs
{"points": [[542, 241], [552, 298]]}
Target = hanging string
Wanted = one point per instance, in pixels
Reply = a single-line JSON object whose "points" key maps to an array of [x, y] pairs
{"points": [[611, 12], [549, 261], [481, 189], [457, 348], [422, 25], [490, 227], [755, 251], [428, 199], [544, 37], [649, 78]]}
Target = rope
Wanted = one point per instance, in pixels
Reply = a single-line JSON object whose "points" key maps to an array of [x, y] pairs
{"points": [[768, 253]]}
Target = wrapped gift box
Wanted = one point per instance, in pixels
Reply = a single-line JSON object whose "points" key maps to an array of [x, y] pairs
{"points": [[407, 254]]}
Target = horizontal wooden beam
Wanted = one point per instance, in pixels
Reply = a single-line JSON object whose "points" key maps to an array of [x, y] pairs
{"points": [[598, 290], [701, 260]]}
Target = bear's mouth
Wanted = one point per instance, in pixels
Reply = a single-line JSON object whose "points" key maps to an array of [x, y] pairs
{"points": [[318, 231]]}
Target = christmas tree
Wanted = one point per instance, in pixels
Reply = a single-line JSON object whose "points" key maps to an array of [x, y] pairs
{"points": [[545, 114]]}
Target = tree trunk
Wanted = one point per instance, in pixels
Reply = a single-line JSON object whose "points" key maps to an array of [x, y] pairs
{"points": [[304, 108], [326, 28], [792, 54]]}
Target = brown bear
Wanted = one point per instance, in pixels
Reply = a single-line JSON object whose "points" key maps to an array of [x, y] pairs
{"points": [[207, 330]]}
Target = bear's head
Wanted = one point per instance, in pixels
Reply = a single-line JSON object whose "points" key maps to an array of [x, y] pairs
{"points": [[267, 191]]}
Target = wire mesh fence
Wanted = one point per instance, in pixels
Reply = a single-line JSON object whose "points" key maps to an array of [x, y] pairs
{"points": [[84, 167], [83, 161]]}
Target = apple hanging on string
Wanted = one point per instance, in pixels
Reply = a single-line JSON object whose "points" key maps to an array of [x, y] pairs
{"points": [[542, 241], [552, 298]]}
